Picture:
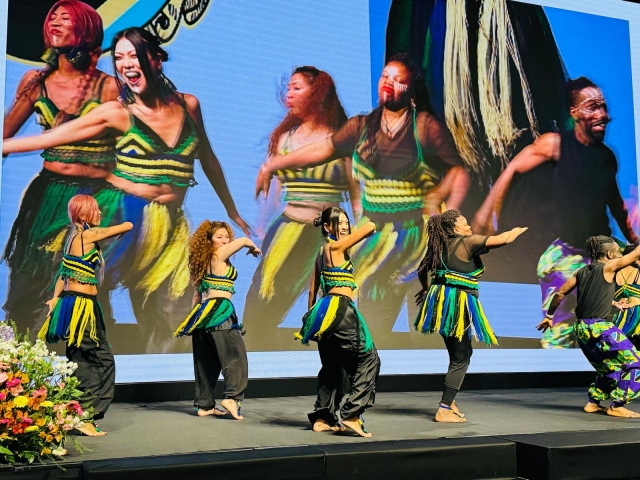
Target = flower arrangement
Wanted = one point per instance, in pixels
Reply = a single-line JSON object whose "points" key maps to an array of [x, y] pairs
{"points": [[40, 402]]}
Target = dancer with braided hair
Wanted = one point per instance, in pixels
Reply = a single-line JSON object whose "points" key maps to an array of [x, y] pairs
{"points": [[344, 342], [616, 360], [409, 166], [449, 305], [69, 86], [213, 324]]}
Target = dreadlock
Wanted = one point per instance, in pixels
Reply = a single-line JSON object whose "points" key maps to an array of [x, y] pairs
{"points": [[439, 229], [599, 245], [570, 90], [201, 248]]}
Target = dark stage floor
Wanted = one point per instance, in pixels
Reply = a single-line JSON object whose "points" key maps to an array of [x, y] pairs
{"points": [[137, 430]]}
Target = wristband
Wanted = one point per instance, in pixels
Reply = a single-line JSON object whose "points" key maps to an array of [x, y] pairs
{"points": [[548, 316]]}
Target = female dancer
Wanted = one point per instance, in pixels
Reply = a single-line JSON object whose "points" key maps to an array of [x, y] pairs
{"points": [[409, 165], [69, 86], [450, 305], [213, 325], [344, 342], [161, 133], [628, 292], [607, 348], [315, 113], [75, 315]]}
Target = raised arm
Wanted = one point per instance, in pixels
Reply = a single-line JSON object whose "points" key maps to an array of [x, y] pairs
{"points": [[354, 238], [544, 149], [620, 213], [567, 287], [109, 118], [22, 106], [505, 238], [225, 251], [612, 266], [97, 234], [211, 165], [355, 194]]}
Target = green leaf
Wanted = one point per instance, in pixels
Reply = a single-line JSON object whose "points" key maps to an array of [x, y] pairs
{"points": [[5, 451]]}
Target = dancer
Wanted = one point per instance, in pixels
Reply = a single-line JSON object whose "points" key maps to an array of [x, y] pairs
{"points": [[607, 348], [450, 305], [314, 114], [161, 133], [408, 164], [69, 86], [628, 293], [213, 325], [582, 186], [75, 315], [344, 342]]}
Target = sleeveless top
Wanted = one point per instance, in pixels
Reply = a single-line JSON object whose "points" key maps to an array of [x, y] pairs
{"points": [[224, 283], [99, 151], [143, 157], [331, 276], [628, 290], [82, 269], [392, 193], [595, 294], [324, 183], [458, 273]]}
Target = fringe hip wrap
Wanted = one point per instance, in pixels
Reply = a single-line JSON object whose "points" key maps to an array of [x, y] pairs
{"points": [[42, 223], [628, 321], [325, 317], [210, 314], [155, 251], [390, 256], [451, 312], [73, 314]]}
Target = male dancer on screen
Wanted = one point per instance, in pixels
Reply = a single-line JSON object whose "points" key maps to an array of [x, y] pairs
{"points": [[582, 186], [606, 347]]}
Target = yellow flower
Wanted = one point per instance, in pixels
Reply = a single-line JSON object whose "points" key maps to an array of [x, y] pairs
{"points": [[40, 422], [45, 451], [46, 403], [32, 428], [49, 439], [21, 401]]}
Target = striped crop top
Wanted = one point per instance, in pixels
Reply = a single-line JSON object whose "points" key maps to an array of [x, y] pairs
{"points": [[143, 157], [99, 151], [332, 277], [323, 183], [82, 269], [629, 290], [224, 283]]}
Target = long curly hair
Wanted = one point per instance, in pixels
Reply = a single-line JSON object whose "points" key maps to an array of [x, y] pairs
{"points": [[323, 98], [201, 249], [439, 229]]}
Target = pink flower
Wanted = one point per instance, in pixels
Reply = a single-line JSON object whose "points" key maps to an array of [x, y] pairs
{"points": [[27, 420], [3, 396], [14, 382], [3, 377], [4, 421], [17, 390]]}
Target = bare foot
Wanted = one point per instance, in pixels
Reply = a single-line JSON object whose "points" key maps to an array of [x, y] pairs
{"points": [[591, 407], [90, 430], [622, 412], [454, 407], [213, 411], [322, 426], [447, 415], [233, 407], [353, 423]]}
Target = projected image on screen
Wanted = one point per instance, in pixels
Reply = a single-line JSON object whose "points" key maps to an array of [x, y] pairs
{"points": [[490, 130]]}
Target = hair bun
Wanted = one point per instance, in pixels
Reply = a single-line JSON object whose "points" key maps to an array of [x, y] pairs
{"points": [[318, 220]]}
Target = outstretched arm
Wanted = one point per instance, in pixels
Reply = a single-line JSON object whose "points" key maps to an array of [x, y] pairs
{"points": [[225, 251], [108, 118], [96, 234], [620, 213], [555, 303], [21, 108], [612, 266], [211, 165], [544, 149], [505, 238]]}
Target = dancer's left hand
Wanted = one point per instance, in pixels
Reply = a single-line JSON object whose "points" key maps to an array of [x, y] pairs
{"points": [[544, 325], [255, 251], [622, 305], [244, 226], [263, 181], [420, 297]]}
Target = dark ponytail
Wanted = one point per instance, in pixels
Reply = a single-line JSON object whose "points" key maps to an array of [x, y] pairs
{"points": [[599, 245], [439, 229]]}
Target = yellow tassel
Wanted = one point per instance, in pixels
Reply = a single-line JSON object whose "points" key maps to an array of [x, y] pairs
{"points": [[385, 242], [155, 231], [329, 316], [460, 321], [55, 245], [42, 334], [494, 340], [286, 236], [422, 314], [623, 320], [173, 262], [80, 317], [440, 307], [206, 312]]}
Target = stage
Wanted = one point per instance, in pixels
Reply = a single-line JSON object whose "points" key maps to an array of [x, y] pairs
{"points": [[531, 433]]}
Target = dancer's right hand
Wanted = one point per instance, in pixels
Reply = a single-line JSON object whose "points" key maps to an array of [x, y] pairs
{"points": [[51, 304], [264, 180], [420, 297], [545, 324]]}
